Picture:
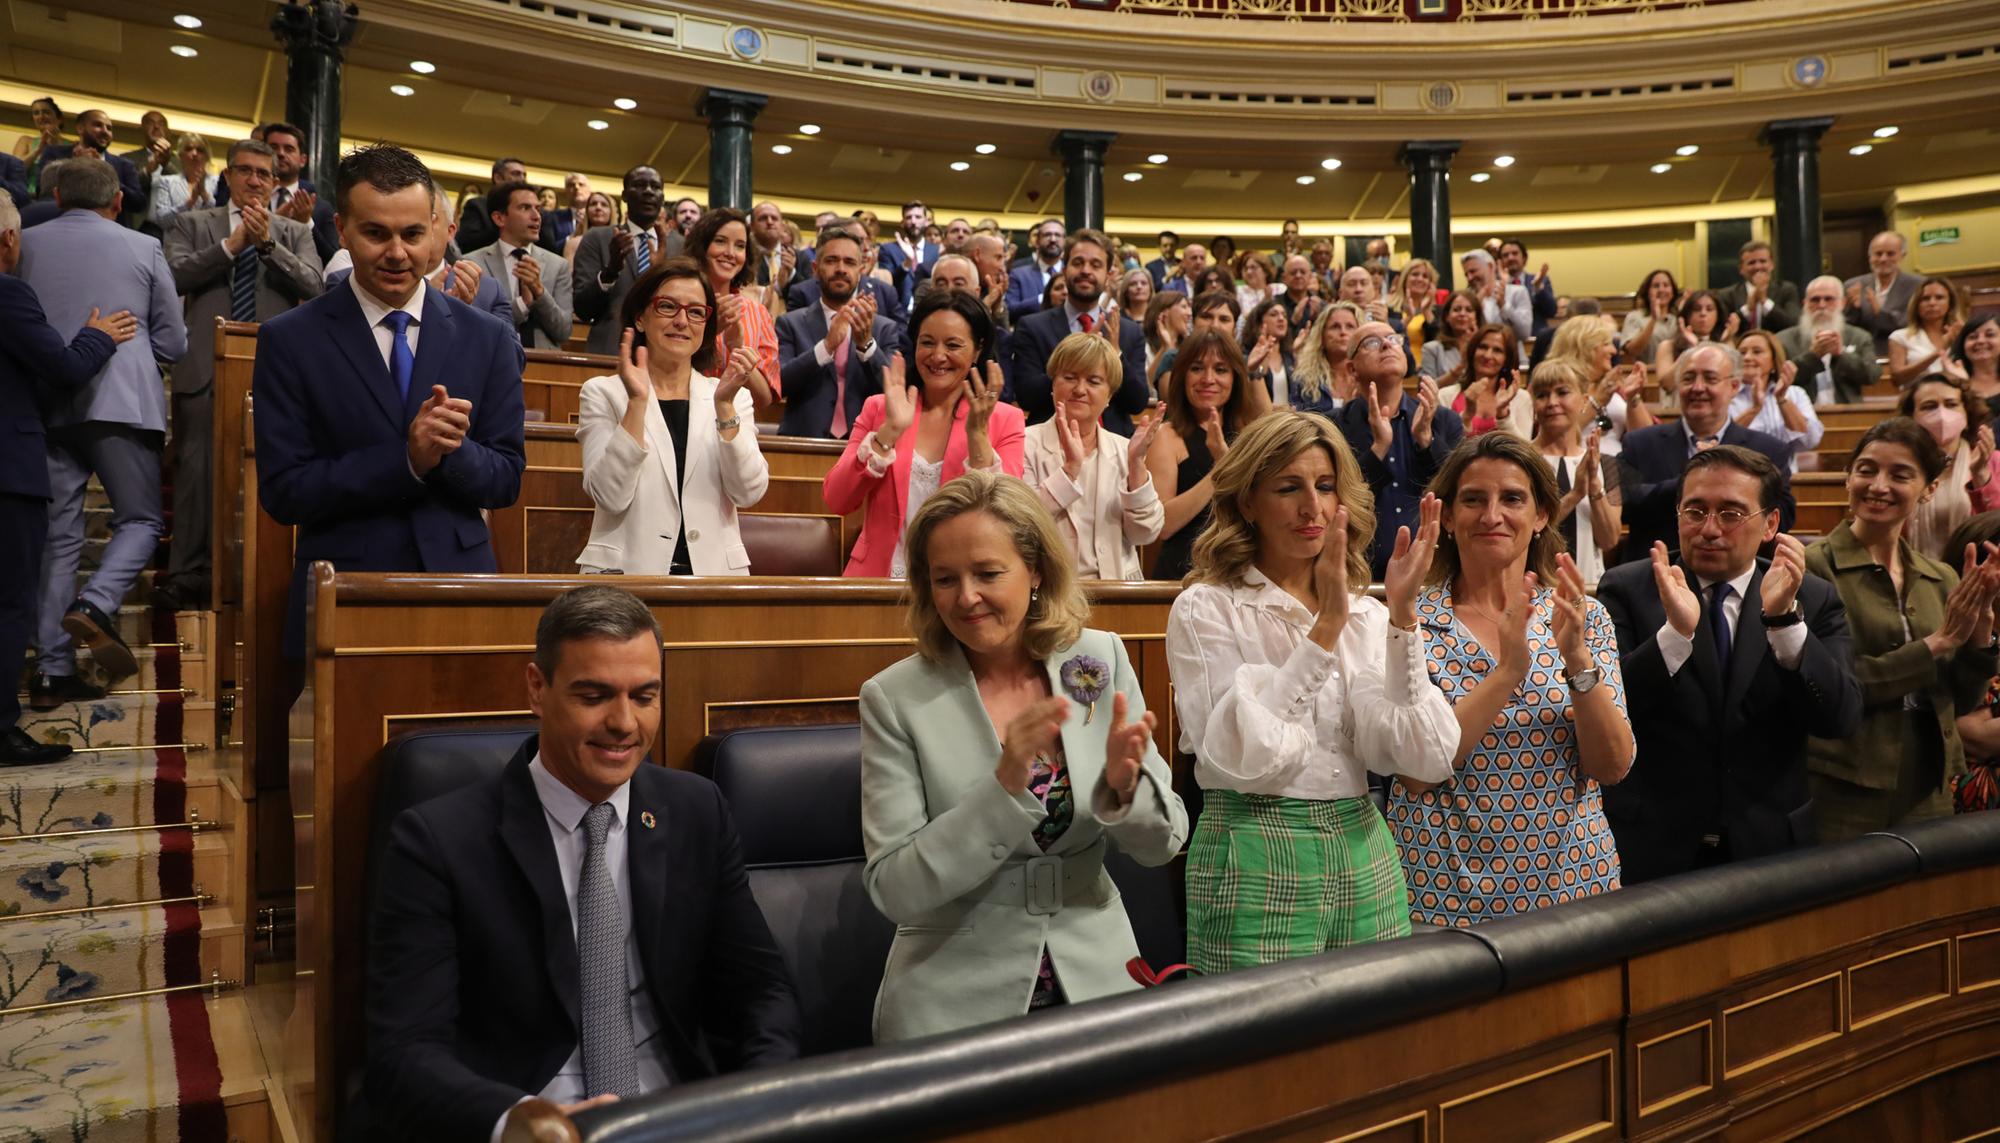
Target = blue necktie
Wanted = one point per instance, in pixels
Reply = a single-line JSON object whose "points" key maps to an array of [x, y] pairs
{"points": [[642, 256], [1718, 625], [402, 363], [243, 286]]}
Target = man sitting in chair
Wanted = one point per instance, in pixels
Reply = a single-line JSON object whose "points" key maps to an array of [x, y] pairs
{"points": [[577, 928]]}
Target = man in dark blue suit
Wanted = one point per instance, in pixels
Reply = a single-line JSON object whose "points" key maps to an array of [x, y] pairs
{"points": [[32, 357], [1029, 279], [604, 898], [805, 295], [1086, 268], [14, 179], [93, 139], [388, 414], [910, 257], [1653, 458], [831, 354]]}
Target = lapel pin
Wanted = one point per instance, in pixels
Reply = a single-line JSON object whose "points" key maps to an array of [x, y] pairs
{"points": [[646, 819]]}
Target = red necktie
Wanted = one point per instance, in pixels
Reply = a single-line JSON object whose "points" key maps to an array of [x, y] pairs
{"points": [[1086, 320]]}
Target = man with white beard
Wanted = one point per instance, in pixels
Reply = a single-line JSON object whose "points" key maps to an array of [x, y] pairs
{"points": [[1836, 360]]}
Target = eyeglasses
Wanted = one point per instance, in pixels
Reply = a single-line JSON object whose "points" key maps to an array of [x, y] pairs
{"points": [[243, 170], [1380, 341], [670, 309], [1727, 518]]}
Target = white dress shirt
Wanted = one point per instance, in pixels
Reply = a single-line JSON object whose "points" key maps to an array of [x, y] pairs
{"points": [[562, 811], [1770, 420], [374, 309], [1266, 711], [518, 295], [1787, 643]]}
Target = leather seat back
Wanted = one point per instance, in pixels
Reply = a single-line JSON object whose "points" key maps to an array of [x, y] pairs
{"points": [[791, 544]]}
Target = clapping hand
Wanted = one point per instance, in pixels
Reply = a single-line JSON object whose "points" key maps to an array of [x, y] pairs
{"points": [[439, 428], [632, 368], [981, 395], [1107, 325], [1031, 733], [1677, 599], [729, 316], [1420, 421], [1380, 430], [742, 366], [1787, 373], [899, 404], [464, 276], [528, 272], [1125, 750], [788, 260], [1968, 610], [299, 207], [1731, 327], [1071, 440], [1787, 571], [1330, 584], [1512, 630], [621, 246], [1410, 561], [123, 327], [1143, 431], [1569, 622], [1211, 431], [1982, 454], [1503, 396]]}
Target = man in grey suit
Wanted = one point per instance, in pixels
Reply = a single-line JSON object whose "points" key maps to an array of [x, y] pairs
{"points": [[242, 262], [79, 262], [1879, 301], [611, 258], [535, 282], [1836, 361]]}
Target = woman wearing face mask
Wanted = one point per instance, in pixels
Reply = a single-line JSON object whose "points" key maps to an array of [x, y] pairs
{"points": [[1325, 381], [1922, 640], [1652, 317], [1590, 514], [914, 436], [1978, 352], [1292, 683], [720, 244], [1014, 740], [1767, 400], [1964, 435], [1937, 316], [1206, 401], [1489, 395], [1519, 825], [1094, 481]]}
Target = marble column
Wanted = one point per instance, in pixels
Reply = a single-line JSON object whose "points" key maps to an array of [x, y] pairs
{"points": [[1430, 203], [1794, 147], [730, 114], [1083, 176], [315, 35]]}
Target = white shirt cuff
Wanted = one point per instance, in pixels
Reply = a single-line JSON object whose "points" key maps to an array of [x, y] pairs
{"points": [[1675, 648], [822, 354], [1788, 644]]}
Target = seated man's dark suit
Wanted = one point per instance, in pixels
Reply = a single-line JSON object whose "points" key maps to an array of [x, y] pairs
{"points": [[805, 295], [474, 991], [1722, 756], [1037, 335], [809, 386], [1784, 312], [1027, 281], [1652, 464], [333, 440], [14, 179]]}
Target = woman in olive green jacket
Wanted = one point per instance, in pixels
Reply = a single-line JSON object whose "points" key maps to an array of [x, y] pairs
{"points": [[1923, 644]]}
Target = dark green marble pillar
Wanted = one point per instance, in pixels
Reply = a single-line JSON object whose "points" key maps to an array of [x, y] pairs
{"points": [[1794, 147], [315, 35], [1430, 203], [729, 114], [1083, 176]]}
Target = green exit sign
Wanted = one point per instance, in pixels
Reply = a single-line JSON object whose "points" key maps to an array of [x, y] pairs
{"points": [[1942, 236]]}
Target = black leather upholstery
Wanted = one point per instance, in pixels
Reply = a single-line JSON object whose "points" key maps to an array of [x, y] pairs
{"points": [[414, 768], [1956, 842]]}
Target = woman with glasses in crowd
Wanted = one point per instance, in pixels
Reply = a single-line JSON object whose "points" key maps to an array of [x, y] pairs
{"points": [[669, 453]]}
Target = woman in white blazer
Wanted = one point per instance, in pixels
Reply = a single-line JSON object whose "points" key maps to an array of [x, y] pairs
{"points": [[669, 452], [1094, 481], [997, 766]]}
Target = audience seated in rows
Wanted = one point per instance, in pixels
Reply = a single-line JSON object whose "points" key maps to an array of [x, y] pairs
{"points": [[1086, 308], [1401, 439], [1935, 319], [1835, 361], [1769, 402]]}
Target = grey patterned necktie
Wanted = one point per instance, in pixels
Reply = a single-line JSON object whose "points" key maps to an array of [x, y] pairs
{"points": [[609, 1061]]}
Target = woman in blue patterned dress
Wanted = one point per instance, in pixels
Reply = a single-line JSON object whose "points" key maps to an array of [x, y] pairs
{"points": [[1530, 665]]}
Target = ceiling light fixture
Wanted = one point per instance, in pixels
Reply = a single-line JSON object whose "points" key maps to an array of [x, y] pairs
{"points": [[423, 67], [781, 149], [1662, 168], [1133, 176], [1481, 176], [402, 89], [1329, 164], [1503, 161], [623, 104], [1156, 158], [1687, 149], [808, 128], [188, 22], [961, 165], [183, 51], [986, 148], [1861, 148], [1886, 132], [598, 125], [1306, 180]]}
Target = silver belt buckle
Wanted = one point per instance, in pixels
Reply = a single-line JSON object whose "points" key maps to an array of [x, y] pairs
{"points": [[1042, 876]]}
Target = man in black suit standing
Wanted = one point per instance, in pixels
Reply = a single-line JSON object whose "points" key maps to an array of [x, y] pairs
{"points": [[475, 223], [804, 295], [611, 258], [831, 353], [33, 359], [1086, 269], [1653, 459], [604, 898], [1760, 299], [1730, 663]]}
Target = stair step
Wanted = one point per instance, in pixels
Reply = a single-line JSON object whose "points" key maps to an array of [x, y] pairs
{"points": [[113, 789], [105, 871], [114, 720], [148, 678], [120, 951]]}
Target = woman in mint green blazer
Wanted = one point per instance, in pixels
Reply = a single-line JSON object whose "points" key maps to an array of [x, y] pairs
{"points": [[999, 763]]}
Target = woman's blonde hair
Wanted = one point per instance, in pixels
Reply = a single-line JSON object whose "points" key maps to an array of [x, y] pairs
{"points": [[190, 139], [1311, 372], [1542, 550], [1403, 281], [1087, 353], [1058, 611], [1578, 339], [1228, 546]]}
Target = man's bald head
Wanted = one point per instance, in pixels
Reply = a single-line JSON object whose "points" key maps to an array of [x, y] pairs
{"points": [[1377, 355]]}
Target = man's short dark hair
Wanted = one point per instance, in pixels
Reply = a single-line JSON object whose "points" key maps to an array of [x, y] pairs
{"points": [[502, 197], [1515, 242], [971, 309], [283, 128], [89, 184], [249, 147], [590, 612], [838, 232], [500, 166], [1215, 298], [1172, 235], [1770, 481], [685, 198], [915, 203], [384, 166], [1097, 238]]}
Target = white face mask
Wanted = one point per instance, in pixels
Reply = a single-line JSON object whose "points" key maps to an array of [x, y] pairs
{"points": [[1946, 426]]}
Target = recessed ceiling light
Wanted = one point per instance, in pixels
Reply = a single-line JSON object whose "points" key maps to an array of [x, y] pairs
{"points": [[598, 125], [624, 104], [188, 22], [1886, 132], [781, 149], [183, 51], [1481, 176], [1503, 161], [1861, 148], [402, 89], [1686, 149], [1133, 176], [1329, 164], [808, 128], [986, 148], [1156, 157], [423, 67], [1662, 168], [1306, 180], [961, 165]]}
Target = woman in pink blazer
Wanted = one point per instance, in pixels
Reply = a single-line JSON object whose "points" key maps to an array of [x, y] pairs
{"points": [[912, 438]]}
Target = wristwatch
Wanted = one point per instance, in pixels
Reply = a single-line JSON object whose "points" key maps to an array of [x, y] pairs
{"points": [[724, 426], [1583, 682], [1792, 618]]}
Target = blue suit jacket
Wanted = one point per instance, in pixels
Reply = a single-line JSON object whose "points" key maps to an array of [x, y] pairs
{"points": [[809, 386], [1651, 464], [1037, 335], [34, 359], [14, 179], [333, 440], [907, 277], [82, 261], [1025, 287]]}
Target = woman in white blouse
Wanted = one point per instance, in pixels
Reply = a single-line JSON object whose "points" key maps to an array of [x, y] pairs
{"points": [[669, 451], [1590, 513], [192, 188], [1291, 684], [1937, 314], [1768, 401], [1092, 480]]}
